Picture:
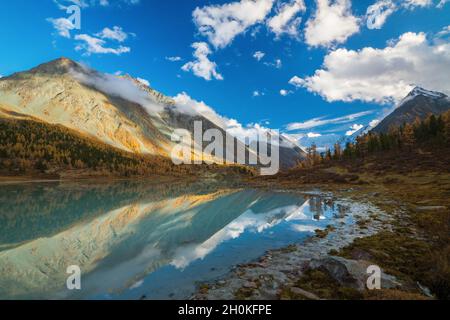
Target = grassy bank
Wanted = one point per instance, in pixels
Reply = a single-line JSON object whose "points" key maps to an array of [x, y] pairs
{"points": [[414, 189]]}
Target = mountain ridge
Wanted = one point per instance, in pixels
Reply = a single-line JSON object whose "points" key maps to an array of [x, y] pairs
{"points": [[118, 110], [419, 103]]}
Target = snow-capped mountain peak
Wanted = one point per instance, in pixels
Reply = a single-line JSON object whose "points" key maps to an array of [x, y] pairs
{"points": [[419, 91]]}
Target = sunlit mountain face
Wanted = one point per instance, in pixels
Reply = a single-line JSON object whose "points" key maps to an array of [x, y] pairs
{"points": [[128, 237]]}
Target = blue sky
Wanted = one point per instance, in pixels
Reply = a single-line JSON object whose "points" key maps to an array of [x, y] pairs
{"points": [[323, 66]]}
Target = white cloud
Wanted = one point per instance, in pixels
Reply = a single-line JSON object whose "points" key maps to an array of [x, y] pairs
{"points": [[286, 20], [313, 135], [174, 59], [332, 23], [378, 13], [186, 105], [353, 129], [259, 55], [120, 87], [296, 81], [248, 132], [63, 26], [202, 67], [318, 122], [276, 64], [143, 81], [411, 4], [383, 75], [374, 123], [444, 32], [116, 33], [285, 92], [222, 23], [257, 93], [93, 45]]}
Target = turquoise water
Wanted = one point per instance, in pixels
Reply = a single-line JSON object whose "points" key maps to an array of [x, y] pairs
{"points": [[135, 239]]}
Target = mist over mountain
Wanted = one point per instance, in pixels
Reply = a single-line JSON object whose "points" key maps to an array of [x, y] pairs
{"points": [[118, 110]]}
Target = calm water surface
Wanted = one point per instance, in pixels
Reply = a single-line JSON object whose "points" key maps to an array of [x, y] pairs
{"points": [[135, 239]]}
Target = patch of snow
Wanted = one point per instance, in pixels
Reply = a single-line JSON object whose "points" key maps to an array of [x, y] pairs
{"points": [[418, 91]]}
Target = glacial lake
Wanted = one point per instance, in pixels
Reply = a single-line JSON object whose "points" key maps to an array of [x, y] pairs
{"points": [[135, 239]]}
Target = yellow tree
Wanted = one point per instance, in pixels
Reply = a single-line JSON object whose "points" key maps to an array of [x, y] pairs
{"points": [[408, 136]]}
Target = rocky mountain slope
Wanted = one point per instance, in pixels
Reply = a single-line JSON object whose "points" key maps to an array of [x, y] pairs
{"points": [[119, 111], [52, 93], [419, 103]]}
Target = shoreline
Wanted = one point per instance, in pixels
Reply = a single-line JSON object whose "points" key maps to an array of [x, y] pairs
{"points": [[6, 180], [266, 277], [402, 220]]}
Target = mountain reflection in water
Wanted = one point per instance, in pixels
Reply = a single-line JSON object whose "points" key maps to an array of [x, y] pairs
{"points": [[133, 238]]}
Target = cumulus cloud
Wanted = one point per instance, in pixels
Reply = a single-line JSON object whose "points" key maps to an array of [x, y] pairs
{"points": [[410, 4], [378, 13], [257, 93], [322, 121], [187, 105], [222, 23], [258, 55], [296, 81], [116, 33], [382, 75], [286, 20], [202, 67], [62, 26], [92, 45], [353, 129], [332, 23], [285, 92], [97, 44]]}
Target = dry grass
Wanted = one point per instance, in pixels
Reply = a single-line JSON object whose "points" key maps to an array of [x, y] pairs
{"points": [[415, 190]]}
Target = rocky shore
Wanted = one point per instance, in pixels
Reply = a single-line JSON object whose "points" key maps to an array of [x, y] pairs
{"points": [[290, 273]]}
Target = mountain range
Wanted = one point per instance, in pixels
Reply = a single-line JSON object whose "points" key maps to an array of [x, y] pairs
{"points": [[128, 115], [119, 111], [418, 104]]}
